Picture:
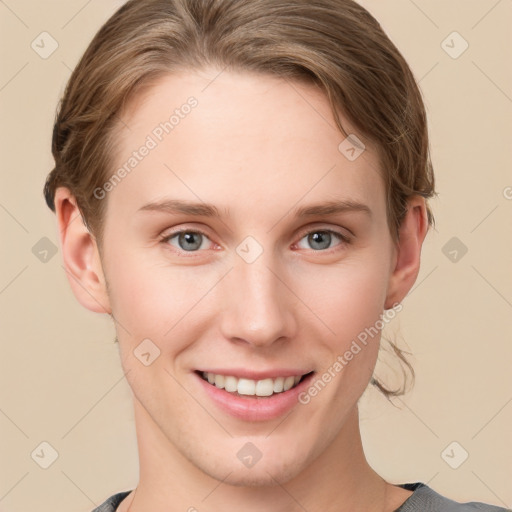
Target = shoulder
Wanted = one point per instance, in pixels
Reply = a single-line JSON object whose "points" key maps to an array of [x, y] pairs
{"points": [[425, 499], [111, 504]]}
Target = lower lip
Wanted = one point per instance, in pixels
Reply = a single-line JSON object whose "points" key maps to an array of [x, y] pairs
{"points": [[255, 408]]}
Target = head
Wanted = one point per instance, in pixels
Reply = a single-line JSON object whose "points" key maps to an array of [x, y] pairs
{"points": [[256, 112]]}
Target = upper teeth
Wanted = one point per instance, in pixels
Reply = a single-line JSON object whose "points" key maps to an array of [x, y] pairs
{"points": [[264, 387]]}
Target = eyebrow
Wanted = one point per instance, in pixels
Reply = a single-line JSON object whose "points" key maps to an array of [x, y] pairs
{"points": [[209, 210]]}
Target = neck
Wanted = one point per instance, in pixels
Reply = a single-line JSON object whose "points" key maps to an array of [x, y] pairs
{"points": [[339, 479]]}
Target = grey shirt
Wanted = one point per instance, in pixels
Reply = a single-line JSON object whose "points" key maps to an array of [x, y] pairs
{"points": [[423, 499]]}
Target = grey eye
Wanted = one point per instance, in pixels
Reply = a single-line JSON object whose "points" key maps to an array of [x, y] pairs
{"points": [[322, 239], [187, 240]]}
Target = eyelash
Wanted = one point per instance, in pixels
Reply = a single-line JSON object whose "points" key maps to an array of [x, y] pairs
{"points": [[344, 239]]}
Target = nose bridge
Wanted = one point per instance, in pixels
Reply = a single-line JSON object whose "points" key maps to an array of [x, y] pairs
{"points": [[257, 303]]}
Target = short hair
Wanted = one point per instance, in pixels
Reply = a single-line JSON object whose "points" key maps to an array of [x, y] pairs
{"points": [[336, 45]]}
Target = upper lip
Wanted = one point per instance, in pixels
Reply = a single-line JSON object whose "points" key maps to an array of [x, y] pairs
{"points": [[244, 373]]}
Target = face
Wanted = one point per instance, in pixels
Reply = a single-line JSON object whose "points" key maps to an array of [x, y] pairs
{"points": [[217, 262]]}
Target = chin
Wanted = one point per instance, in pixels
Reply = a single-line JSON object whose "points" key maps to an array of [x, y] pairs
{"points": [[258, 477], [267, 472]]}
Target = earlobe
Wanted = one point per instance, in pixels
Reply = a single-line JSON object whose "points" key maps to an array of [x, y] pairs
{"points": [[412, 233], [80, 254]]}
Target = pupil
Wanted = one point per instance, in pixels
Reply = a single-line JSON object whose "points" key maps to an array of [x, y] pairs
{"points": [[189, 239], [319, 236]]}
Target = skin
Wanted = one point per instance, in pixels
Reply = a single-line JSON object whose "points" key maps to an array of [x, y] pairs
{"points": [[274, 147]]}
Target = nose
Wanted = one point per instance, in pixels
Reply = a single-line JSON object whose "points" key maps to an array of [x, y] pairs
{"points": [[258, 305]]}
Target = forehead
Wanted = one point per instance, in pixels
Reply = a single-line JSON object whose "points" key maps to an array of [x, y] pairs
{"points": [[211, 133]]}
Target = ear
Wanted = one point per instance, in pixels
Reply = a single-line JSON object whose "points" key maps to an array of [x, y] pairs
{"points": [[406, 267], [80, 254]]}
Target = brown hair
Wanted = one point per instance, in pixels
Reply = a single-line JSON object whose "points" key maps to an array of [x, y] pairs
{"points": [[335, 44]]}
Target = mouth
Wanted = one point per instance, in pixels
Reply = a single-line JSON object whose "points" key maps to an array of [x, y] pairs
{"points": [[266, 396], [247, 388]]}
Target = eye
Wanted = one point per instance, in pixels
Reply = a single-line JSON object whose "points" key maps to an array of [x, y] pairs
{"points": [[320, 239], [187, 240]]}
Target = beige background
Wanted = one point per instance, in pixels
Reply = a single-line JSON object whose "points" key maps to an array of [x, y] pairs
{"points": [[61, 380]]}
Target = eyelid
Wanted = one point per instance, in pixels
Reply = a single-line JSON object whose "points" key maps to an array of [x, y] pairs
{"points": [[328, 229], [343, 239], [166, 237]]}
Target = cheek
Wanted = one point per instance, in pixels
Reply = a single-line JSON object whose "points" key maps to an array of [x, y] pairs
{"points": [[348, 297], [139, 297], [156, 300]]}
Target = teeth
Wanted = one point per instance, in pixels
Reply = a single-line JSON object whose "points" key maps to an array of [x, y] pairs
{"points": [[230, 384], [288, 383], [246, 387], [279, 385], [264, 387], [219, 381]]}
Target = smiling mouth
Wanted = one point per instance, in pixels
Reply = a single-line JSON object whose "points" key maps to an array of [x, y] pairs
{"points": [[248, 387]]}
